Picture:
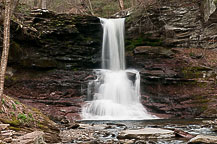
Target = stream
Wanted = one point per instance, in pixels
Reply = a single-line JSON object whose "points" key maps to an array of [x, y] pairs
{"points": [[103, 131]]}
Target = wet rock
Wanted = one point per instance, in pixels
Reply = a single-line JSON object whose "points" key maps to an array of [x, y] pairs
{"points": [[35, 137], [85, 126], [73, 126], [146, 133], [128, 141], [92, 126], [131, 76], [64, 121], [117, 124], [215, 121], [203, 139], [210, 122], [215, 128], [181, 133]]}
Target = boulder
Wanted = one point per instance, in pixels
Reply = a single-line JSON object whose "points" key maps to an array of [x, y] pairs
{"points": [[7, 133], [180, 133], [3, 126], [35, 137], [209, 8], [205, 139], [146, 133]]}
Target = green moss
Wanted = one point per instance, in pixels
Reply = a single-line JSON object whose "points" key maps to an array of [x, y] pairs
{"points": [[202, 85], [142, 40], [12, 113], [14, 128], [22, 117], [30, 115], [11, 122], [17, 102], [3, 101], [36, 110], [191, 54], [75, 69], [202, 101], [192, 72], [14, 107], [41, 126], [203, 108], [7, 77], [10, 78]]}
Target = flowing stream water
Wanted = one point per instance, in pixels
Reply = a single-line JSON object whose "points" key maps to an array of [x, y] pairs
{"points": [[115, 94]]}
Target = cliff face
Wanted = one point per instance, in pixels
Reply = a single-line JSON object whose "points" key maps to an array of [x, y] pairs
{"points": [[176, 54], [49, 61], [170, 44], [57, 41]]}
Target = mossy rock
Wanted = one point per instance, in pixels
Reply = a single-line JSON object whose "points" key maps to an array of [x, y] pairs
{"points": [[142, 40], [43, 127], [14, 123], [14, 128], [193, 72]]}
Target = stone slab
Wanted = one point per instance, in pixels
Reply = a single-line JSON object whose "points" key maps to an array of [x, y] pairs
{"points": [[150, 133]]}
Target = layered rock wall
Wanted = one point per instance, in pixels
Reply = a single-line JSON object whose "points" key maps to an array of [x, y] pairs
{"points": [[51, 57], [176, 54]]}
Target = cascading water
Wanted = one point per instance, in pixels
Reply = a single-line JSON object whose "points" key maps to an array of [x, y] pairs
{"points": [[113, 95]]}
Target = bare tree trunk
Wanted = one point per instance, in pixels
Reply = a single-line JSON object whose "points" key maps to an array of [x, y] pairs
{"points": [[39, 4], [6, 45], [1, 11], [121, 4], [14, 4], [134, 3], [44, 4], [35, 4], [91, 8]]}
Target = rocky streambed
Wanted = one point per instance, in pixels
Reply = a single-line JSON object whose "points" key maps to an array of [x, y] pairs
{"points": [[160, 131]]}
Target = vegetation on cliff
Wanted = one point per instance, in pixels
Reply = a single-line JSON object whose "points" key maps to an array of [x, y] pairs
{"points": [[25, 119]]}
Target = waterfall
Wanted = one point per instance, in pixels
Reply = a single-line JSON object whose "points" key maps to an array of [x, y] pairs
{"points": [[113, 52], [115, 94]]}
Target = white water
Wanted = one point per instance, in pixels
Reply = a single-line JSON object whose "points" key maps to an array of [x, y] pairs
{"points": [[113, 96]]}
